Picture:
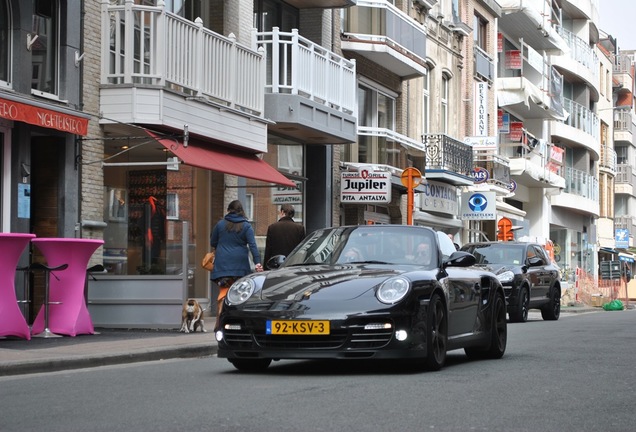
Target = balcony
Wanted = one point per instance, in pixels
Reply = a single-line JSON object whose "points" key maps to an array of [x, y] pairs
{"points": [[532, 166], [484, 66], [448, 160], [323, 4], [497, 166], [623, 71], [391, 148], [607, 162], [623, 125], [625, 180], [382, 33], [160, 69], [581, 193], [310, 92], [528, 19], [582, 9], [581, 129], [580, 63], [535, 90]]}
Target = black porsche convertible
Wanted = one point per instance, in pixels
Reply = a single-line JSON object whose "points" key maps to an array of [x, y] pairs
{"points": [[365, 292]]}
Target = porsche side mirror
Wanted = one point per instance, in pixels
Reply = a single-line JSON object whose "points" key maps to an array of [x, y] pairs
{"points": [[275, 262], [460, 259]]}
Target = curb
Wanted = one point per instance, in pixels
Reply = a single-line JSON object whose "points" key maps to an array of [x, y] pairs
{"points": [[91, 361]]}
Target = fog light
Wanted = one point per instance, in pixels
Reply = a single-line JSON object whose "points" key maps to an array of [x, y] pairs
{"points": [[218, 335], [377, 326], [401, 335]]}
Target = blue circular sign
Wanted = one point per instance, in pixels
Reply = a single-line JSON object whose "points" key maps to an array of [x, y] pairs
{"points": [[477, 202]]}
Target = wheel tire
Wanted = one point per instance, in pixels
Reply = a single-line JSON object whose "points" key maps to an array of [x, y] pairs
{"points": [[520, 314], [437, 334], [498, 333], [251, 365], [552, 311]]}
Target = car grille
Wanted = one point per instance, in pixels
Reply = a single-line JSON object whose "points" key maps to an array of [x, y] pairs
{"points": [[353, 337]]}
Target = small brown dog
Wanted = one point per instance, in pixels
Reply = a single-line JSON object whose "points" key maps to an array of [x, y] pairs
{"points": [[192, 316]]}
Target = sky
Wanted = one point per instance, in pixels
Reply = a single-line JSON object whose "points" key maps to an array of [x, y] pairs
{"points": [[618, 18]]}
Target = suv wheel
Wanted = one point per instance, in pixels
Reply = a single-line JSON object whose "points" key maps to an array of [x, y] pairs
{"points": [[520, 312], [552, 310]]}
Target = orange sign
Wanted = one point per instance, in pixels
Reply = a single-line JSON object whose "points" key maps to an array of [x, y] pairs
{"points": [[43, 117], [415, 177]]}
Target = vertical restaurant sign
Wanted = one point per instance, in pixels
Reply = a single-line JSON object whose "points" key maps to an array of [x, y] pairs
{"points": [[365, 186], [513, 59], [481, 109]]}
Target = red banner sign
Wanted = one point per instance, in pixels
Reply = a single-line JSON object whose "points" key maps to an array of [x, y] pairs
{"points": [[43, 117]]}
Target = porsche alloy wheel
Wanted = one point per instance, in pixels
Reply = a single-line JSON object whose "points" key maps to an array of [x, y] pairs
{"points": [[552, 311], [520, 313], [498, 333], [437, 337], [251, 365]]}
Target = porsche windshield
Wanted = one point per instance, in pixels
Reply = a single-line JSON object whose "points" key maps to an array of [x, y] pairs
{"points": [[367, 244]]}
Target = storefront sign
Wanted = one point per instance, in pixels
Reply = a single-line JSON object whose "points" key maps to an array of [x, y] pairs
{"points": [[478, 206], [365, 186], [437, 197], [287, 195], [482, 142], [43, 117], [481, 109]]}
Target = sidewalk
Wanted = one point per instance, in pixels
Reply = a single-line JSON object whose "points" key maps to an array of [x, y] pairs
{"points": [[118, 346], [106, 347]]}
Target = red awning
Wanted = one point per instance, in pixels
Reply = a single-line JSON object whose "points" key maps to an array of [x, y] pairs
{"points": [[205, 155]]}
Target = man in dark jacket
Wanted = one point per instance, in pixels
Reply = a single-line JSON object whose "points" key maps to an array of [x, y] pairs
{"points": [[283, 236]]}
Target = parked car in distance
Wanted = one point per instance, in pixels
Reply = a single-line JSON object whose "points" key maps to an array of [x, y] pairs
{"points": [[365, 292], [529, 277]]}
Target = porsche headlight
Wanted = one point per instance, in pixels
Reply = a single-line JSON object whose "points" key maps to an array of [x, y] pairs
{"points": [[506, 276], [240, 291], [393, 290]]}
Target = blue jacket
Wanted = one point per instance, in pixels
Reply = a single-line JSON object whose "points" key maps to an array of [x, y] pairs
{"points": [[232, 257]]}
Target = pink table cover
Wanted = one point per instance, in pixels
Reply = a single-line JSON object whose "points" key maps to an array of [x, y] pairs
{"points": [[70, 317], [12, 322]]}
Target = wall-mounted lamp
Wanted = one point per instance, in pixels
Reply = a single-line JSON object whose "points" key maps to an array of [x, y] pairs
{"points": [[26, 172], [78, 58], [31, 40]]}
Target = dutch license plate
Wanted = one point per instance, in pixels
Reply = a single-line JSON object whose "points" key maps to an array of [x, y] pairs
{"points": [[291, 327]]}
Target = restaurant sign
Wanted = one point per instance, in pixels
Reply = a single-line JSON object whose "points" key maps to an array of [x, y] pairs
{"points": [[43, 117], [365, 186]]}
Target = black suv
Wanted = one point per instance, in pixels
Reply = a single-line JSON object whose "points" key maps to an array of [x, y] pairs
{"points": [[529, 277]]}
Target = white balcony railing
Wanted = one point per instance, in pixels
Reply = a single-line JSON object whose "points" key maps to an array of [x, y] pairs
{"points": [[580, 51], [146, 45], [582, 118], [296, 65], [580, 183]]}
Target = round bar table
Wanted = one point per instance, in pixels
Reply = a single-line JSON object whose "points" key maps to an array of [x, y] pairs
{"points": [[12, 322], [68, 314]]}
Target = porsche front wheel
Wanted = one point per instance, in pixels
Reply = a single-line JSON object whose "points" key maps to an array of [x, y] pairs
{"points": [[437, 334]]}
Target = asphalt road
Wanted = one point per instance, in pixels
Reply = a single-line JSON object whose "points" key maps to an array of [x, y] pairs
{"points": [[575, 374]]}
